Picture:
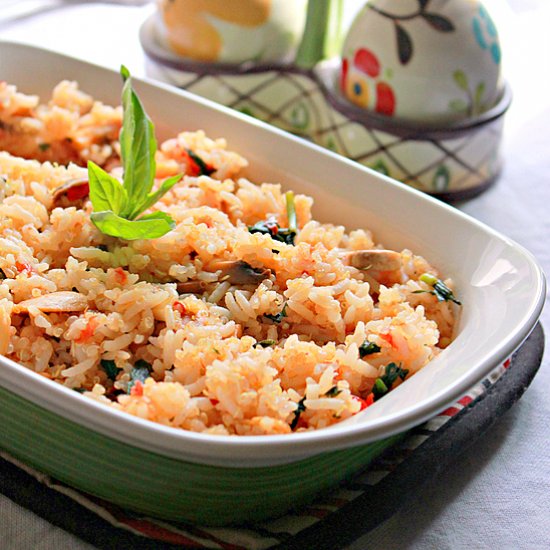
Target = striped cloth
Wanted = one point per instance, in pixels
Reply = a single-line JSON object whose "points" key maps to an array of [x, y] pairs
{"points": [[281, 531]]}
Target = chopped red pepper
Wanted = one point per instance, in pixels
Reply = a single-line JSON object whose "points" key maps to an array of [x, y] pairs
{"points": [[364, 402], [120, 276], [88, 332], [137, 389], [387, 337], [272, 227], [78, 192], [179, 307], [25, 267]]}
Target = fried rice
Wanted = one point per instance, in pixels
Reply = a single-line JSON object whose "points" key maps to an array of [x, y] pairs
{"points": [[210, 328]]}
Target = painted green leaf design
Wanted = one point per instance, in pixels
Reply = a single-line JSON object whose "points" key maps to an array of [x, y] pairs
{"points": [[380, 166], [480, 91], [331, 144], [461, 80], [299, 116], [441, 179], [458, 105], [404, 44], [438, 22], [247, 111]]}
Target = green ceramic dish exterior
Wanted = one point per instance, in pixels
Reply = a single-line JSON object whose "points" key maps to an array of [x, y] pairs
{"points": [[164, 487]]}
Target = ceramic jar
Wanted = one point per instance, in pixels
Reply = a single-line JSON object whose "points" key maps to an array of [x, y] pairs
{"points": [[231, 32], [428, 61]]}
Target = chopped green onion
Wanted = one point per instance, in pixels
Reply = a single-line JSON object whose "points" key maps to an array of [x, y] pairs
{"points": [[368, 348], [265, 343], [300, 408], [291, 212], [204, 169], [333, 392], [440, 290], [110, 368], [383, 384], [278, 317]]}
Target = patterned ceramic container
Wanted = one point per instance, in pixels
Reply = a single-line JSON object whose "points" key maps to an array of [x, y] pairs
{"points": [[427, 61], [231, 32], [452, 161]]}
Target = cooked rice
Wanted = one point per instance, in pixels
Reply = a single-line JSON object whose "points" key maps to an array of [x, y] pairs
{"points": [[207, 372]]}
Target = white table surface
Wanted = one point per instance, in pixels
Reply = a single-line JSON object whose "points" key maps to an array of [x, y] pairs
{"points": [[497, 495]]}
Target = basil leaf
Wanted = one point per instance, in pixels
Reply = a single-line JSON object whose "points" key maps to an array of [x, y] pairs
{"points": [[137, 147], [165, 186], [152, 226], [106, 192], [116, 205], [158, 216]]}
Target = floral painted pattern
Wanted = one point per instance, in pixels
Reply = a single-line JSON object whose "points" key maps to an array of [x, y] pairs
{"points": [[436, 21], [473, 102], [361, 83], [486, 35]]}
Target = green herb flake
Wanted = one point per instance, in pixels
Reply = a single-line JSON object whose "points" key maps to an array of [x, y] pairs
{"points": [[265, 343], [278, 317], [79, 390], [368, 348], [141, 371], [383, 384], [110, 368], [333, 392], [300, 408], [274, 230], [291, 212], [44, 146], [118, 207], [2, 275], [440, 290]]}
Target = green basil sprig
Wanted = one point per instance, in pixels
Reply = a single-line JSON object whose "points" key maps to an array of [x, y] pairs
{"points": [[117, 206]]}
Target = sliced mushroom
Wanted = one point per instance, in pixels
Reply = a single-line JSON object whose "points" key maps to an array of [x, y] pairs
{"points": [[72, 193], [192, 287], [238, 272], [375, 260], [55, 302]]}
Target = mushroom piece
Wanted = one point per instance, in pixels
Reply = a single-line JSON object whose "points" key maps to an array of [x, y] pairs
{"points": [[239, 272], [375, 260], [236, 272], [191, 287], [55, 302], [73, 192]]}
